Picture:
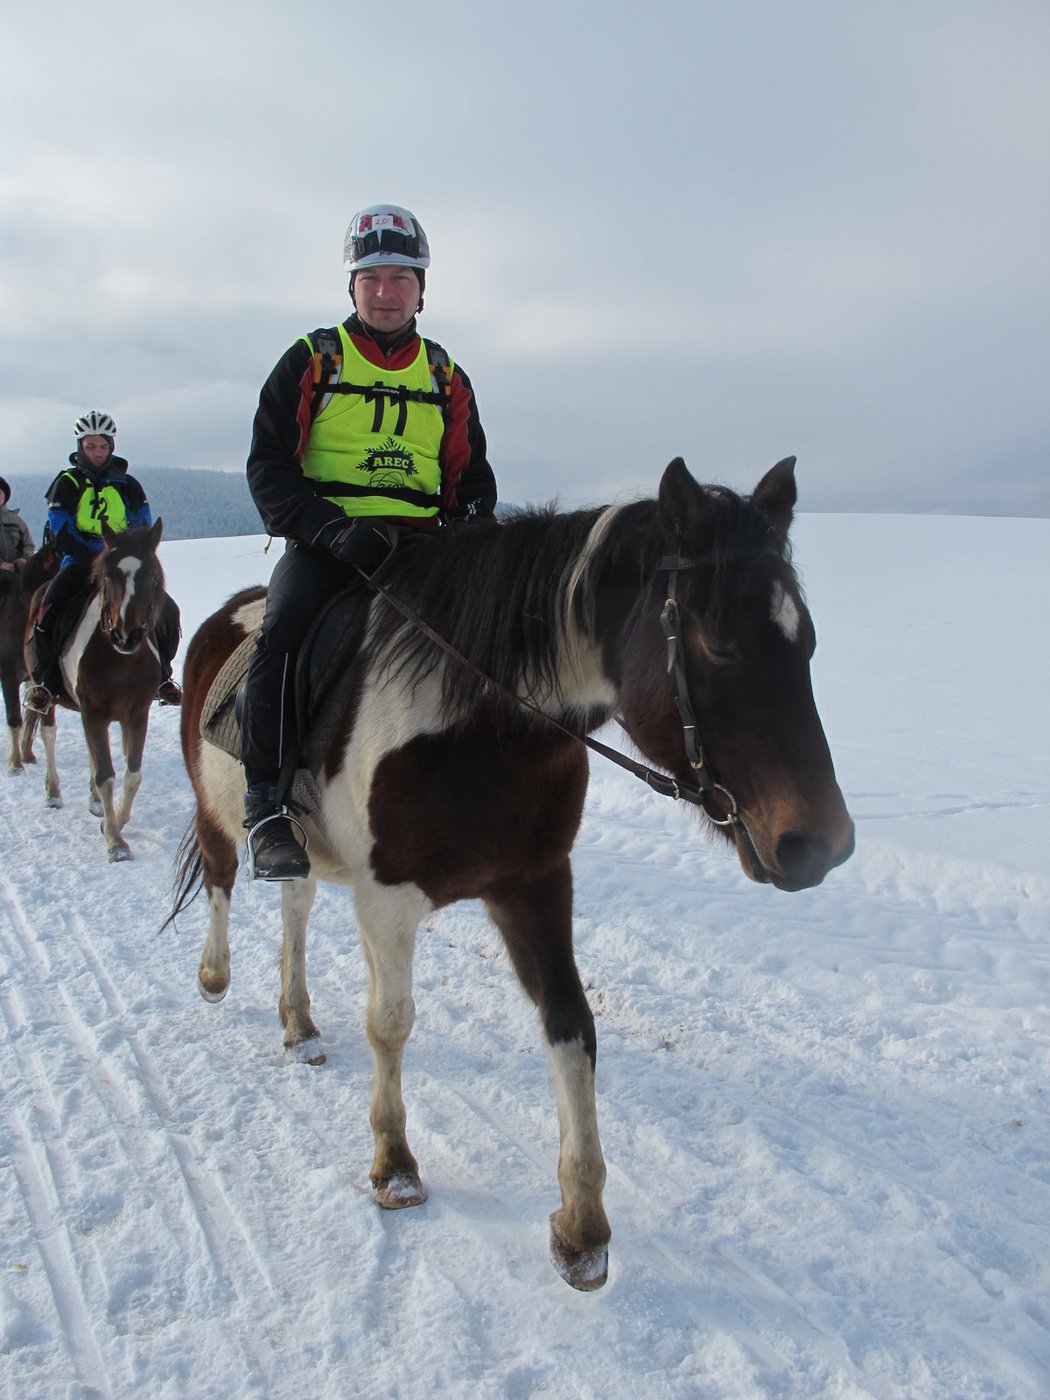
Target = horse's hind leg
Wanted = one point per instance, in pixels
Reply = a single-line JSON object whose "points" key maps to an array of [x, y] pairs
{"points": [[49, 734], [13, 710], [388, 919], [302, 1039], [535, 919], [30, 720], [219, 867]]}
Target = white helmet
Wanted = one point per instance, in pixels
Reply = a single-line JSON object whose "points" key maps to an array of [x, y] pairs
{"points": [[94, 424], [385, 233]]}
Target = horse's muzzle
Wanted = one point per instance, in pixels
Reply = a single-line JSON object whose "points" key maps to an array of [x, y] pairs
{"points": [[127, 642], [800, 861]]}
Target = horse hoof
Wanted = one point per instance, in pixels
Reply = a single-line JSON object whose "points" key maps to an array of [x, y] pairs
{"points": [[399, 1191], [95, 807], [55, 800], [306, 1052], [583, 1269], [213, 996], [119, 853], [18, 772]]}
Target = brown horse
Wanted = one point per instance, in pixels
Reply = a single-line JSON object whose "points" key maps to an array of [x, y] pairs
{"points": [[439, 786], [17, 589], [110, 673]]}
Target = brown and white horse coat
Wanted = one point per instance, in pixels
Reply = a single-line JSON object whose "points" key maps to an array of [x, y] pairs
{"points": [[110, 673], [438, 788]]}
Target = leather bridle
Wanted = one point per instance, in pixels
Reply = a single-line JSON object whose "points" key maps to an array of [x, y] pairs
{"points": [[698, 792]]}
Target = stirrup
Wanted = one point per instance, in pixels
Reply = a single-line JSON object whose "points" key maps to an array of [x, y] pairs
{"points": [[39, 699], [278, 814], [170, 693]]}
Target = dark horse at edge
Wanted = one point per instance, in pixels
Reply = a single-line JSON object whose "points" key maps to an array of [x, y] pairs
{"points": [[438, 787], [16, 590]]}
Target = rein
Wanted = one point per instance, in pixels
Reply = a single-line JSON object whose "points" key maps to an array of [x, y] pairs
{"points": [[697, 792]]}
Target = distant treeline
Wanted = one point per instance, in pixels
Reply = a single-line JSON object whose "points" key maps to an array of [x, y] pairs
{"points": [[196, 505]]}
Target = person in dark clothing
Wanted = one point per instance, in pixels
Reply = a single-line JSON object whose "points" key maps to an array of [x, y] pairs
{"points": [[16, 543], [96, 489], [365, 433]]}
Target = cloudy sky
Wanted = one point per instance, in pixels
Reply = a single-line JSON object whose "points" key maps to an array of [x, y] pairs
{"points": [[723, 232]]}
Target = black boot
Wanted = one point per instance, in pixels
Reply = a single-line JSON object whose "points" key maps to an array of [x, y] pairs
{"points": [[273, 851]]}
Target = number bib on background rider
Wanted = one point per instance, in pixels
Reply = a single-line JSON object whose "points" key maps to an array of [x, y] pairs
{"points": [[97, 505], [373, 447]]}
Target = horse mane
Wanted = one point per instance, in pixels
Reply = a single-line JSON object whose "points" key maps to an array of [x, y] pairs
{"points": [[519, 597], [495, 592]]}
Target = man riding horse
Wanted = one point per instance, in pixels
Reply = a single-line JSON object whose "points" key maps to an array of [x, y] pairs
{"points": [[95, 490], [365, 434]]}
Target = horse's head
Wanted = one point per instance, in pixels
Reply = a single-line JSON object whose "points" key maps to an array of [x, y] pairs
{"points": [[744, 644], [130, 584]]}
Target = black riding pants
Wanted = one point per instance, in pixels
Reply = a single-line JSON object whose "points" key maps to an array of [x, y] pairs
{"points": [[302, 582]]}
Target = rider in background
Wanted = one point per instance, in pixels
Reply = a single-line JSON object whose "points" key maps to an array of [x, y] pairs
{"points": [[364, 433], [16, 543], [96, 489]]}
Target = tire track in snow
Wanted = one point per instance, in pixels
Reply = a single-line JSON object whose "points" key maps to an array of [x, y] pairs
{"points": [[42, 1166], [147, 1159], [209, 1206]]}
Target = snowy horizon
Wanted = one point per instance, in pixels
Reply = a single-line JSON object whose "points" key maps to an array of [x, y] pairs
{"points": [[824, 1114]]}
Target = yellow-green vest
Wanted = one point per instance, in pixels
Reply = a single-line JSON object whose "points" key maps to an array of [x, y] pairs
{"points": [[373, 446], [98, 504]]}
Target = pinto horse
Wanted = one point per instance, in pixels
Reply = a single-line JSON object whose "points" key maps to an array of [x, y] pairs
{"points": [[439, 786], [110, 673], [16, 588]]}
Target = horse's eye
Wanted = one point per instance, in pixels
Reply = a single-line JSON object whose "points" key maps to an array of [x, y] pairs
{"points": [[717, 651]]}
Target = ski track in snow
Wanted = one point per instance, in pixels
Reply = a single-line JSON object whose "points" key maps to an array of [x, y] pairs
{"points": [[824, 1117]]}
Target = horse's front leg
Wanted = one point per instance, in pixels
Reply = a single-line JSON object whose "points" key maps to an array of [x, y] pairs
{"points": [[387, 919], [133, 739], [302, 1040], [96, 733], [535, 918]]}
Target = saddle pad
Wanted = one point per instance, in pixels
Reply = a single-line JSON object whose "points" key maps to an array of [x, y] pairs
{"points": [[326, 681], [218, 724]]}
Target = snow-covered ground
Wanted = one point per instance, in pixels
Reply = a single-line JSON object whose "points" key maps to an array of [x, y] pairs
{"points": [[824, 1114]]}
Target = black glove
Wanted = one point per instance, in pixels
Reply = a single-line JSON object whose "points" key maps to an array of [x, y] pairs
{"points": [[364, 543]]}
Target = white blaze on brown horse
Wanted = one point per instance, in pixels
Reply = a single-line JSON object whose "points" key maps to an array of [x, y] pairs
{"points": [[110, 673], [437, 786]]}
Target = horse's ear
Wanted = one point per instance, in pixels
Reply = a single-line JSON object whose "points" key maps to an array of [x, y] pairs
{"points": [[776, 494], [109, 536], [156, 530], [681, 499]]}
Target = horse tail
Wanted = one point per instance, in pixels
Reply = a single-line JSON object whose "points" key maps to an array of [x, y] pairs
{"points": [[189, 874]]}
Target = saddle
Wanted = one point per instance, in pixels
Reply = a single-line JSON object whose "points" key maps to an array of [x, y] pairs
{"points": [[67, 619], [324, 683]]}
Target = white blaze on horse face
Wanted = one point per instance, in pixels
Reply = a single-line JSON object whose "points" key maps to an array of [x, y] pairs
{"points": [[129, 568], [784, 612]]}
